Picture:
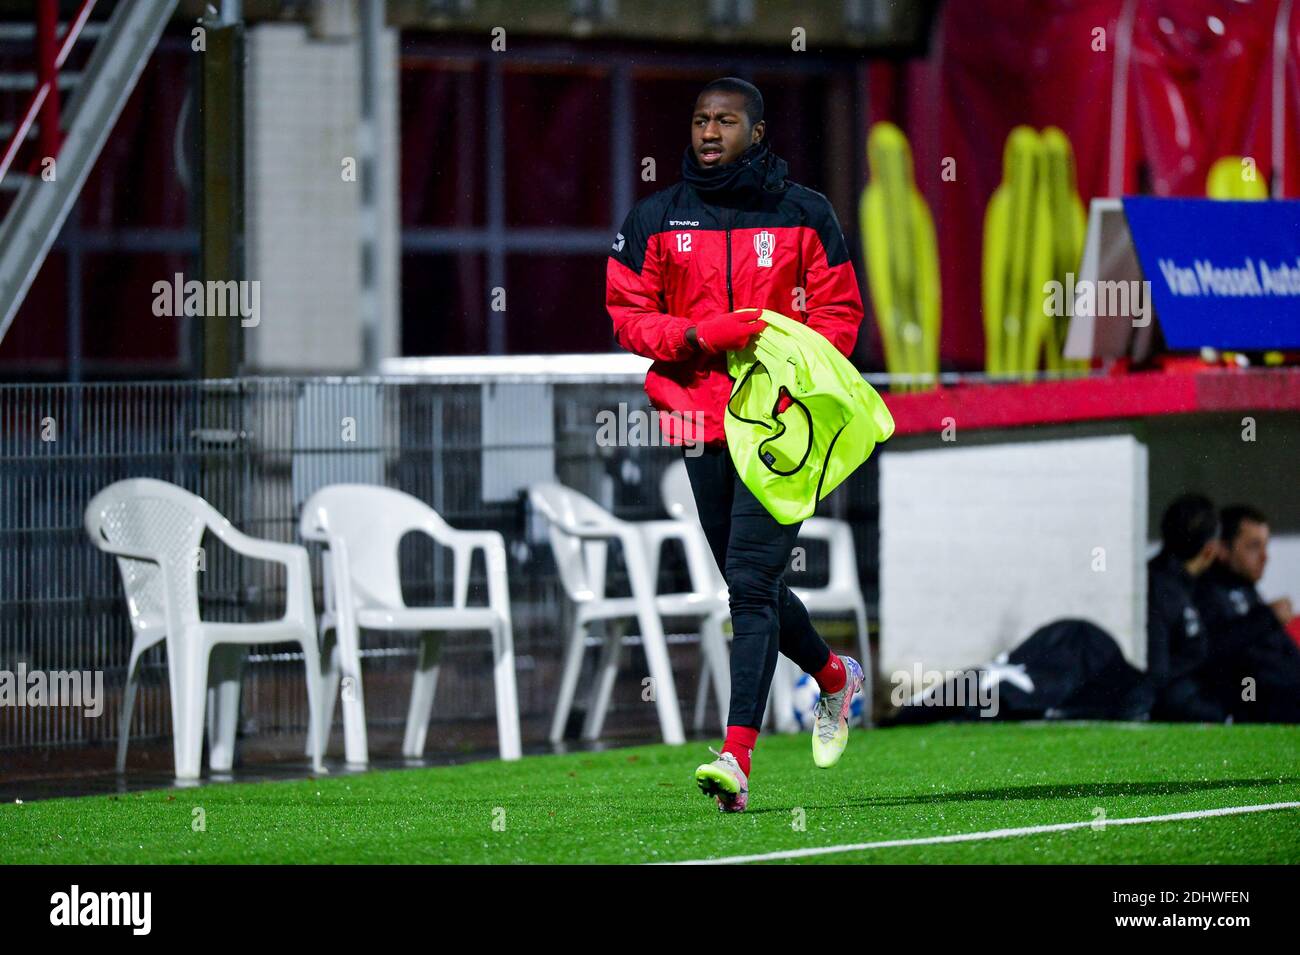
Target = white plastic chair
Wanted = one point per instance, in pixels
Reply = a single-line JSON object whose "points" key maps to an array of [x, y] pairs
{"points": [[362, 526], [679, 502], [842, 594], [580, 532], [155, 528]]}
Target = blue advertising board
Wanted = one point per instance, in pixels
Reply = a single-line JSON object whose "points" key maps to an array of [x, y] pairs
{"points": [[1222, 274]]}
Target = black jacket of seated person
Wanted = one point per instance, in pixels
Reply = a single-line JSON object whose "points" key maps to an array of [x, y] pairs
{"points": [[1181, 655], [1252, 646]]}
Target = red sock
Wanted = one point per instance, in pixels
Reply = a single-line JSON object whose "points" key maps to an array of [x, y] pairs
{"points": [[740, 744], [831, 677]]}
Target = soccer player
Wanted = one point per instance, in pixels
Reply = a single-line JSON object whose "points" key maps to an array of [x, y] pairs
{"points": [[689, 266]]}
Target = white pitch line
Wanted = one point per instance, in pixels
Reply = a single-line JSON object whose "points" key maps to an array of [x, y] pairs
{"points": [[989, 834]]}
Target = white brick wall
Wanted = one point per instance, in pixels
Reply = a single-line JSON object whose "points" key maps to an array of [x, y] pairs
{"points": [[982, 545], [302, 219]]}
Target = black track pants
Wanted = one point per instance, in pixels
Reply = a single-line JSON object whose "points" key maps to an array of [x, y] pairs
{"points": [[752, 550]]}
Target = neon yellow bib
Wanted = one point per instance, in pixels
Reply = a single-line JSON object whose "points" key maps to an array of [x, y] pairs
{"points": [[792, 461]]}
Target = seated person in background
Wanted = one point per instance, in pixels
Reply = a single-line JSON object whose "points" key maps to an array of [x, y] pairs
{"points": [[1180, 652], [1259, 668], [1243, 553]]}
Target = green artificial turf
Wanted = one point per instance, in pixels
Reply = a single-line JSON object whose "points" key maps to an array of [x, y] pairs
{"points": [[641, 805]]}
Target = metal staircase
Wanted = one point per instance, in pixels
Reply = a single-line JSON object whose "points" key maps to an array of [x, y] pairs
{"points": [[40, 207]]}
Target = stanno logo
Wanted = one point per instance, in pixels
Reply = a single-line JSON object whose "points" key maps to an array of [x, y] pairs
{"points": [[682, 222], [618, 242], [764, 244], [132, 909]]}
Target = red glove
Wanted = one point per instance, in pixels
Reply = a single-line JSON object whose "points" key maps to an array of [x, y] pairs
{"points": [[729, 332], [784, 402]]}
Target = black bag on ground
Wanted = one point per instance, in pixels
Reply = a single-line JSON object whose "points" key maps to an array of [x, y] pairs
{"points": [[1067, 669]]}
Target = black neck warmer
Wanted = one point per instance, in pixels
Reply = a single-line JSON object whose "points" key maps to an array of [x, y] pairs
{"points": [[756, 171]]}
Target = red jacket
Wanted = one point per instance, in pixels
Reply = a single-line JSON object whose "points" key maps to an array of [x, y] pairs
{"points": [[680, 259]]}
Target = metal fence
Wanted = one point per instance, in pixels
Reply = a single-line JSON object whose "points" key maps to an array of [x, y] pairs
{"points": [[256, 449]]}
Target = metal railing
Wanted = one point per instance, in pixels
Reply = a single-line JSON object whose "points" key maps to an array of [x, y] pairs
{"points": [[256, 449]]}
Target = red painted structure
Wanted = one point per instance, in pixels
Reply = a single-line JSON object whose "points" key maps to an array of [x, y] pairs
{"points": [[51, 54], [1136, 395]]}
